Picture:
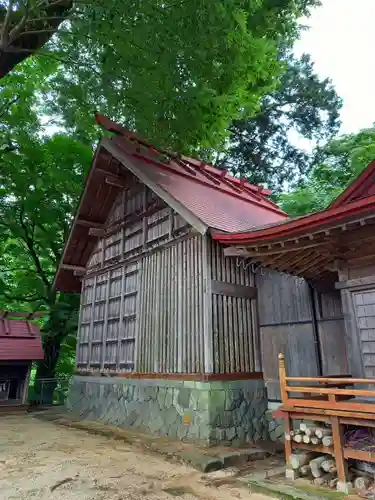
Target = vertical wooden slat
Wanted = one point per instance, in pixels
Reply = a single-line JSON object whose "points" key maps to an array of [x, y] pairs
{"points": [[194, 310], [231, 334], [207, 307], [188, 308], [91, 330], [236, 339], [175, 312], [138, 342], [105, 325], [180, 308], [243, 336]]}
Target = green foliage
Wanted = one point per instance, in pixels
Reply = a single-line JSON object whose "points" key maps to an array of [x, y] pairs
{"points": [[41, 179], [176, 72], [336, 165], [264, 147]]}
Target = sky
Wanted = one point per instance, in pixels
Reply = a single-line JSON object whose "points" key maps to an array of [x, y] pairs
{"points": [[341, 42]]}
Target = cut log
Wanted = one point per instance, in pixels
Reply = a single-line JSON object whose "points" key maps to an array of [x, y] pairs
{"points": [[357, 472], [305, 470], [333, 483], [362, 483], [304, 425], [329, 465], [315, 440], [287, 436], [315, 465], [310, 430], [306, 439], [321, 432], [324, 479], [298, 460], [295, 432], [298, 438], [327, 441]]}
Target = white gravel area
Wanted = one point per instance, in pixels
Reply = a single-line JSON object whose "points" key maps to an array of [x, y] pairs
{"points": [[40, 460]]}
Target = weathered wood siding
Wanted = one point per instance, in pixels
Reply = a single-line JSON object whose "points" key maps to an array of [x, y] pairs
{"points": [[331, 333], [235, 334], [172, 307], [288, 321], [285, 319], [145, 293]]}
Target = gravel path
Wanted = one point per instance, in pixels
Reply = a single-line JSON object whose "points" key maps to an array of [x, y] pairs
{"points": [[40, 460]]}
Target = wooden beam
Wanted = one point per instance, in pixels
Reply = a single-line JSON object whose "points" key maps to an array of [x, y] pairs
{"points": [[78, 273], [231, 290], [89, 223], [70, 267], [235, 252], [98, 232], [115, 181]]}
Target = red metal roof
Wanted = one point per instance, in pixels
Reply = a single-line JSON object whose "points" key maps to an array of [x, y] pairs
{"points": [[357, 200], [212, 196], [362, 186], [220, 201], [19, 340]]}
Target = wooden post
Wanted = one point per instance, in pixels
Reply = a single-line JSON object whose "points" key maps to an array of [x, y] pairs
{"points": [[288, 444], [282, 376], [338, 448]]}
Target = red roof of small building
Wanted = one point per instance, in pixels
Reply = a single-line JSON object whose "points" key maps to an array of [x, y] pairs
{"points": [[19, 339], [202, 194]]}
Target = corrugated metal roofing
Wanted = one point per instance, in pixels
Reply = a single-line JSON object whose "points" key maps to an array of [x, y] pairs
{"points": [[20, 341]]}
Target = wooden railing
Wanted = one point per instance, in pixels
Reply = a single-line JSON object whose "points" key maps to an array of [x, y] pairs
{"points": [[325, 393], [332, 400]]}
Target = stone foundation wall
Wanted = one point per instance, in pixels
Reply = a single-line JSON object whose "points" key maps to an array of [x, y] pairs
{"points": [[275, 427], [210, 412]]}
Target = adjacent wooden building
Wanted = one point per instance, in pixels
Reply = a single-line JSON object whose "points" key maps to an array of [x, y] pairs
{"points": [[192, 282], [20, 344]]}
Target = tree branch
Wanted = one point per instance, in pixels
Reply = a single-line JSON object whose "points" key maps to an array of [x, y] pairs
{"points": [[4, 29], [7, 105], [19, 27], [30, 245]]}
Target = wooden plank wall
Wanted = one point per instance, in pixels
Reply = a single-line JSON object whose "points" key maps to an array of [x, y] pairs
{"points": [[285, 319], [171, 329], [331, 329], [236, 343], [141, 230], [286, 325]]}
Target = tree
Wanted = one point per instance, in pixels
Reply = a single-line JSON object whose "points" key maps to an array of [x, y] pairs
{"points": [[177, 72], [264, 148], [25, 26], [336, 165], [41, 179]]}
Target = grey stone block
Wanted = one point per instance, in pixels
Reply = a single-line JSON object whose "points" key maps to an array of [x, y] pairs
{"points": [[204, 463], [222, 412]]}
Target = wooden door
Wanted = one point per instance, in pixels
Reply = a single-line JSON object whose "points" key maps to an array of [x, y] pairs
{"points": [[364, 307]]}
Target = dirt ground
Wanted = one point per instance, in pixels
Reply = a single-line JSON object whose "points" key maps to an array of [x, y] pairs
{"points": [[42, 460]]}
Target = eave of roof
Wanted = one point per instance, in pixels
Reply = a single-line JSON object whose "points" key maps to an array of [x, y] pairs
{"points": [[358, 188], [297, 227]]}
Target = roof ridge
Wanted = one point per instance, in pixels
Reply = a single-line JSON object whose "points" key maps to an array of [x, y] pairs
{"points": [[191, 173], [242, 183]]}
